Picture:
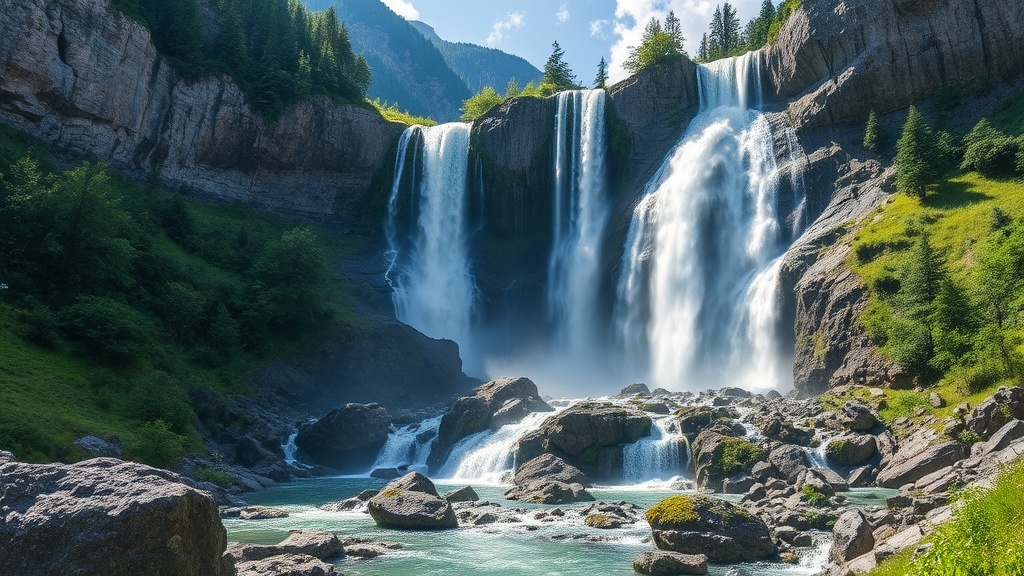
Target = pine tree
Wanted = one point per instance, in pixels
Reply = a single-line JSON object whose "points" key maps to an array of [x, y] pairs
{"points": [[512, 89], [702, 52], [730, 29], [602, 74], [674, 29], [557, 72], [716, 35], [914, 172], [874, 134]]}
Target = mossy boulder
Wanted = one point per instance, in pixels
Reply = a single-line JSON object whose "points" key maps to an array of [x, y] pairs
{"points": [[695, 419], [718, 457], [851, 450], [722, 531], [412, 502]]}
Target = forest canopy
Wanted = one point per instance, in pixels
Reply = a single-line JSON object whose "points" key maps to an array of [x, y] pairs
{"points": [[278, 51]]}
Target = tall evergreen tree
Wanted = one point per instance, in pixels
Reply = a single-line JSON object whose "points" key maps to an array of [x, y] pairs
{"points": [[730, 29], [557, 72], [914, 171], [602, 74], [716, 35], [703, 52], [674, 29], [874, 135]]}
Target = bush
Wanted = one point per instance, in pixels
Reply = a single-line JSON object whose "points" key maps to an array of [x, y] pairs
{"points": [[156, 444], [157, 396], [39, 325], [213, 476], [108, 330], [738, 455]]}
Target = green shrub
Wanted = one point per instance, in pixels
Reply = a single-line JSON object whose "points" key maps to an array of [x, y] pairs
{"points": [[214, 476], [813, 497], [39, 325], [737, 455], [781, 16], [109, 330], [154, 443], [158, 396]]}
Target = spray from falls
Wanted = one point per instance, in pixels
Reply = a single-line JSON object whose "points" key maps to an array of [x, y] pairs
{"points": [[579, 217], [429, 270], [698, 301]]}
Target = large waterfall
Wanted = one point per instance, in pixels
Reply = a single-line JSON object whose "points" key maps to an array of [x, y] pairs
{"points": [[698, 300], [579, 217], [429, 267]]}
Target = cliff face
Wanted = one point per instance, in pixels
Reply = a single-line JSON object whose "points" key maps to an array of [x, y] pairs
{"points": [[836, 61], [80, 75]]}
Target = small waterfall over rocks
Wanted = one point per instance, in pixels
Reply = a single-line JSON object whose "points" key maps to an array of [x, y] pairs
{"points": [[662, 455], [407, 447], [698, 300]]}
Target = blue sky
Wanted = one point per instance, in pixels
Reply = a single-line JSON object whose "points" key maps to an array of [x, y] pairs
{"points": [[586, 29]]}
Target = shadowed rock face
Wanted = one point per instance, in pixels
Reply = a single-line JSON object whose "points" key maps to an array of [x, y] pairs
{"points": [[78, 74], [838, 61], [106, 517], [348, 438]]}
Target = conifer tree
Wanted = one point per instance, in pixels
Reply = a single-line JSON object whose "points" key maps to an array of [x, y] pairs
{"points": [[557, 72], [602, 74], [914, 172], [874, 136], [702, 52]]}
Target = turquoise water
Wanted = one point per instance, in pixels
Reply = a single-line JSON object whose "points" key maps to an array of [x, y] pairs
{"points": [[534, 549]]}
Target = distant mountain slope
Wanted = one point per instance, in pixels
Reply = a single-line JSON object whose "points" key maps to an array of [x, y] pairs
{"points": [[479, 66], [407, 68]]}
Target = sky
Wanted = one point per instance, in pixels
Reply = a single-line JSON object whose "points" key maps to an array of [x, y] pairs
{"points": [[587, 30]]}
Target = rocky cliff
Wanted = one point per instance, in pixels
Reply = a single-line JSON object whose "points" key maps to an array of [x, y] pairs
{"points": [[80, 75], [836, 61]]}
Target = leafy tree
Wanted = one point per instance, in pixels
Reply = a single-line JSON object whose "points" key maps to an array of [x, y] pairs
{"points": [[657, 46], [914, 149], [989, 151], [294, 272], [874, 134], [113, 332], [557, 72], [480, 104], [602, 74]]}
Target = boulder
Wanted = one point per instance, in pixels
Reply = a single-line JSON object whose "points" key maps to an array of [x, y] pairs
{"points": [[734, 392], [348, 438], [550, 492], [98, 447], [285, 565], [546, 468], [1008, 434], [858, 417], [315, 543], [411, 502], [465, 494], [589, 436], [717, 457], [695, 419], [634, 389], [386, 473], [104, 516], [493, 405], [789, 461], [862, 476], [662, 563], [852, 536], [851, 449], [998, 410], [722, 531], [904, 470], [261, 513]]}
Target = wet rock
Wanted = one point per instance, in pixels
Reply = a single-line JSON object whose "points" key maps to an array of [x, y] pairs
{"points": [[589, 436], [493, 405], [695, 419], [635, 389], [852, 535], [261, 513], [285, 565], [363, 548], [851, 449], [662, 563], [547, 468], [862, 476], [712, 466], [411, 502], [611, 515], [385, 473], [723, 531], [465, 494], [550, 492], [789, 461], [348, 438], [1005, 405], [315, 543], [917, 465], [104, 516], [858, 417]]}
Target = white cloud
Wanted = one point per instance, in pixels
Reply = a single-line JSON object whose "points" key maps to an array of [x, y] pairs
{"points": [[563, 13], [512, 21], [403, 8], [597, 28], [632, 15]]}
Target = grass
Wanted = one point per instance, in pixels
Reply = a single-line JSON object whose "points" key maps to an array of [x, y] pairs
{"points": [[737, 455], [393, 113], [983, 539]]}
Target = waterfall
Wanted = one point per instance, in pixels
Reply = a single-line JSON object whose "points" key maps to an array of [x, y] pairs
{"points": [[428, 258], [659, 456], [290, 449], [579, 217], [488, 457], [409, 446], [698, 299]]}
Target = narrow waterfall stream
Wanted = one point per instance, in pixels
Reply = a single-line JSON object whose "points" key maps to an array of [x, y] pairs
{"points": [[698, 300]]}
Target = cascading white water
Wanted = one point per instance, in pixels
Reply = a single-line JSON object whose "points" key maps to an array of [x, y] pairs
{"points": [[816, 456], [662, 455], [433, 286], [698, 300], [409, 446], [290, 449], [579, 217], [489, 457]]}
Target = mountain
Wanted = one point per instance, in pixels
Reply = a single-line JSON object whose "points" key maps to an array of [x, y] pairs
{"points": [[407, 68], [479, 66]]}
